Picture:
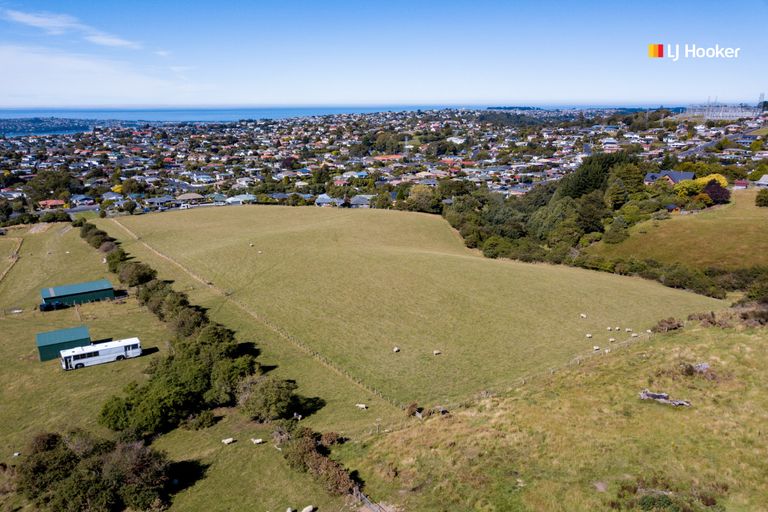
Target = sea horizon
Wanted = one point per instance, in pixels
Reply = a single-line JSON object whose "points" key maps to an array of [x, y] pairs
{"points": [[232, 113]]}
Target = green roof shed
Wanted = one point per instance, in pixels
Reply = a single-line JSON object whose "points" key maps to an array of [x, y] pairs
{"points": [[50, 343], [79, 293]]}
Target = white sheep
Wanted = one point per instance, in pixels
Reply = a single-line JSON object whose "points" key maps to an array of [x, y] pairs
{"points": [[627, 329], [635, 335], [617, 328], [596, 348], [228, 440], [251, 244], [610, 328], [607, 351], [396, 349], [583, 315], [611, 340], [648, 331], [436, 352], [257, 441], [361, 406], [308, 508], [589, 336]]}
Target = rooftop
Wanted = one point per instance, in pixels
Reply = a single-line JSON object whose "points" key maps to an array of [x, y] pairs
{"points": [[43, 339], [74, 289]]}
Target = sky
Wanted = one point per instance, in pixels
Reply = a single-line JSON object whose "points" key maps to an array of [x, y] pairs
{"points": [[364, 52]]}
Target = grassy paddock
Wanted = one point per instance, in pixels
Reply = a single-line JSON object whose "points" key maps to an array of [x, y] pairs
{"points": [[730, 236], [39, 396], [566, 442], [353, 284]]}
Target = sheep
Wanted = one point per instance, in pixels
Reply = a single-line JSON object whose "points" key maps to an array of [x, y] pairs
{"points": [[361, 406], [251, 244], [308, 508], [617, 328], [596, 348], [396, 349], [228, 440], [611, 340], [648, 331], [607, 351], [257, 440], [610, 328], [436, 352], [635, 335], [627, 329], [259, 252], [589, 336], [582, 315]]}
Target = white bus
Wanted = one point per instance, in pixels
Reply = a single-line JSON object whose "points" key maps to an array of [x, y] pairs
{"points": [[98, 353]]}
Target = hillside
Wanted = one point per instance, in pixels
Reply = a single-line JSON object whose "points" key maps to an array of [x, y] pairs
{"points": [[352, 284], [39, 397], [571, 441], [730, 236]]}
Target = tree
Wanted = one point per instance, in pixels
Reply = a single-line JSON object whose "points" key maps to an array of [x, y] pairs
{"points": [[616, 194], [716, 192], [762, 198], [134, 273], [266, 398], [130, 206], [617, 233]]}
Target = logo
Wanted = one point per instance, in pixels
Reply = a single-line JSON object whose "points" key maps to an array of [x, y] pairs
{"points": [[691, 51], [656, 51]]}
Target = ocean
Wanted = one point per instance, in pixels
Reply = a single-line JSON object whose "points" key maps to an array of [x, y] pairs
{"points": [[205, 114]]}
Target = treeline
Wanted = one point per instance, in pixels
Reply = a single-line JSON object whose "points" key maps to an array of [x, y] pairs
{"points": [[206, 368], [599, 201]]}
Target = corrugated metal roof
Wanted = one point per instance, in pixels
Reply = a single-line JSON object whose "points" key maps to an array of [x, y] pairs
{"points": [[44, 339], [74, 289]]}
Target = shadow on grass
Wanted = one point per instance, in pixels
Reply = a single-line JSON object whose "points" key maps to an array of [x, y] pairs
{"points": [[148, 351], [184, 474], [307, 406]]}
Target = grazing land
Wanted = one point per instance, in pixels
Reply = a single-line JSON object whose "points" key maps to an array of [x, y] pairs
{"points": [[38, 396], [728, 237], [568, 441], [351, 285]]}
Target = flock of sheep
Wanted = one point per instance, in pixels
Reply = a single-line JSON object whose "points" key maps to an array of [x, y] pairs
{"points": [[628, 330]]}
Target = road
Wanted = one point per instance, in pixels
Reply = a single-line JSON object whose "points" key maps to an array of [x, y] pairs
{"points": [[698, 150]]}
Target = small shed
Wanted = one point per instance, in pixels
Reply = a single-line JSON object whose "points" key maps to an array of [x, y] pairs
{"points": [[78, 293], [50, 343]]}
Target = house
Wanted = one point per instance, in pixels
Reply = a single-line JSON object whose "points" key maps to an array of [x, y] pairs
{"points": [[740, 184], [241, 199], [50, 343], [325, 200], [190, 197], [671, 177], [81, 200], [360, 201], [78, 293], [51, 203], [111, 196]]}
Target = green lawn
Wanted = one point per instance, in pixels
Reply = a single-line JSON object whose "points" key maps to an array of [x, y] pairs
{"points": [[730, 236], [565, 442], [353, 284]]}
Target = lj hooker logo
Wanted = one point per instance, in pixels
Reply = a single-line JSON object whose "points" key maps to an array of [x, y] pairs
{"points": [[691, 51]]}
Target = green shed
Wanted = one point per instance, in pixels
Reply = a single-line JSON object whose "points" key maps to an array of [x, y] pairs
{"points": [[50, 343], [78, 293]]}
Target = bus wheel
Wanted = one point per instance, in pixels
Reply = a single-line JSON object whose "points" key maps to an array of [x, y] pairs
{"points": [[120, 358], [79, 365]]}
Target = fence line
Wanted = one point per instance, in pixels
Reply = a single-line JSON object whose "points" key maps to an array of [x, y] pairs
{"points": [[14, 257], [328, 363]]}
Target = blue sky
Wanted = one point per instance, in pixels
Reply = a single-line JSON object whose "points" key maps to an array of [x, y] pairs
{"points": [[478, 52]]}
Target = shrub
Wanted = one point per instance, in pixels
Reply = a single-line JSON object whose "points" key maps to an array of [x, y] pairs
{"points": [[496, 247], [266, 398], [758, 291], [667, 324], [200, 421], [761, 199], [617, 233], [107, 247], [134, 273], [115, 259]]}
